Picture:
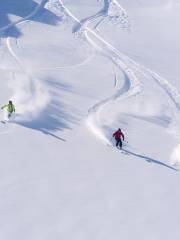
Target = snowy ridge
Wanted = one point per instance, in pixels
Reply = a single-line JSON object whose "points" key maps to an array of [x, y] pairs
{"points": [[55, 6], [112, 11], [117, 13]]}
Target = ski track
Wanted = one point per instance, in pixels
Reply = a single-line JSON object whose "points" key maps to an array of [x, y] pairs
{"points": [[33, 87], [126, 64], [68, 66], [6, 128], [9, 47], [120, 16], [132, 86]]}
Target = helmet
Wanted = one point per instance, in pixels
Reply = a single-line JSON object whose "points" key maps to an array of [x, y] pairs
{"points": [[10, 102]]}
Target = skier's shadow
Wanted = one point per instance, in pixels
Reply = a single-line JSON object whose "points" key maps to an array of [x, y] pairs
{"points": [[150, 160], [21, 9], [55, 118]]}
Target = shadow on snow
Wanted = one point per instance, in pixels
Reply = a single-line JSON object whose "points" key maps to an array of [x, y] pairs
{"points": [[150, 160], [22, 9], [57, 115], [102, 13]]}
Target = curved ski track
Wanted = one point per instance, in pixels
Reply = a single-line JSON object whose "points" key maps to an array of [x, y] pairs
{"points": [[32, 83], [122, 16], [126, 64]]}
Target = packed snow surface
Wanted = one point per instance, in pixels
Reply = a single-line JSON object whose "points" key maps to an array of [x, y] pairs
{"points": [[76, 72]]}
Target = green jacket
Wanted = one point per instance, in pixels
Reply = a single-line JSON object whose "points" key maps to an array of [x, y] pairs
{"points": [[9, 108]]}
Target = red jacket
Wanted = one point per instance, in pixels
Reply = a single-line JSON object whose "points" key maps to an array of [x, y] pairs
{"points": [[118, 134]]}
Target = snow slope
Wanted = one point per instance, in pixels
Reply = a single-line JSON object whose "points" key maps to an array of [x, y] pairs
{"points": [[77, 71]]}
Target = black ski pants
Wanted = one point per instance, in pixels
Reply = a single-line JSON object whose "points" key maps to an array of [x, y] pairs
{"points": [[118, 142]]}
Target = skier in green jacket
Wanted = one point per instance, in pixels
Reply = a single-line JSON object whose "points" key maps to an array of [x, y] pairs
{"points": [[9, 108]]}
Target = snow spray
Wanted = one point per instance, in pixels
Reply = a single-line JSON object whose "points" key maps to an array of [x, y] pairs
{"points": [[175, 156]]}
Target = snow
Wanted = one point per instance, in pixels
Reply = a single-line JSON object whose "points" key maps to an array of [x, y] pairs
{"points": [[77, 71]]}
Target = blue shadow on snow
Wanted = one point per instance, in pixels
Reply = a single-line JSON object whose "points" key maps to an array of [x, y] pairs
{"points": [[56, 116], [149, 160], [23, 8]]}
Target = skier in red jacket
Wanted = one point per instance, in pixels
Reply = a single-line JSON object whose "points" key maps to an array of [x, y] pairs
{"points": [[118, 137]]}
